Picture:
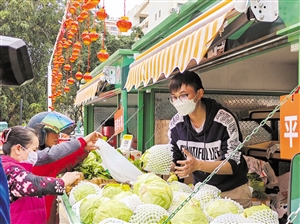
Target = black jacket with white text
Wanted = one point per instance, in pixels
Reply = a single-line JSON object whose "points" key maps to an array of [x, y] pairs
{"points": [[219, 137]]}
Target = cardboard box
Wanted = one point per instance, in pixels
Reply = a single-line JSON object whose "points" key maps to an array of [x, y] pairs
{"points": [[261, 150], [135, 154], [256, 201]]}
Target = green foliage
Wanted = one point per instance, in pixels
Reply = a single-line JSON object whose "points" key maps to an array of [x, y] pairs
{"points": [[37, 23], [258, 186], [91, 167]]}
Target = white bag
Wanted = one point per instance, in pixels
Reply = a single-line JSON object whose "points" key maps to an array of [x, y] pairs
{"points": [[119, 167]]}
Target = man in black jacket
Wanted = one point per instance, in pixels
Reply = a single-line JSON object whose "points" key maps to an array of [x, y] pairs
{"points": [[203, 133]]}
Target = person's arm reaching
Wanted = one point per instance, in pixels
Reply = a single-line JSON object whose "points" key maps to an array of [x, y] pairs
{"points": [[64, 149], [23, 183], [57, 152]]}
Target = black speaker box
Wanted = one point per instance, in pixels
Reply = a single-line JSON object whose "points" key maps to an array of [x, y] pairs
{"points": [[15, 66]]}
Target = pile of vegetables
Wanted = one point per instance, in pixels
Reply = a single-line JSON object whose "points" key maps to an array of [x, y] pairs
{"points": [[100, 199], [91, 167], [152, 200]]}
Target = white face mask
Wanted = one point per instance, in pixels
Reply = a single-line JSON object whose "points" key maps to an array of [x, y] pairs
{"points": [[184, 107], [32, 158]]}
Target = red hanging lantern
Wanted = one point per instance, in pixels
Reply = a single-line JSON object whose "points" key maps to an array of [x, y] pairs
{"points": [[68, 22], [70, 81], [70, 34], [93, 35], [73, 58], [67, 89], [78, 75], [77, 45], [74, 29], [80, 19], [124, 24], [59, 75], [101, 14], [67, 67], [84, 33], [87, 40], [87, 77], [84, 14], [102, 55], [72, 9], [59, 92], [76, 4]]}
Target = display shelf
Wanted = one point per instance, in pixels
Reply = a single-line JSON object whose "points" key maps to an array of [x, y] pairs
{"points": [[72, 218], [261, 150]]}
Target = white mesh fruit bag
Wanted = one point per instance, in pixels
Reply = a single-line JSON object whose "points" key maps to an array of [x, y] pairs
{"points": [[221, 206], [179, 198], [112, 220], [158, 159], [230, 218], [82, 190], [149, 214], [266, 216], [180, 187], [206, 193], [132, 201]]}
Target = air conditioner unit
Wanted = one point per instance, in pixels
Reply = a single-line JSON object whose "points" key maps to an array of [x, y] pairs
{"points": [[172, 10]]}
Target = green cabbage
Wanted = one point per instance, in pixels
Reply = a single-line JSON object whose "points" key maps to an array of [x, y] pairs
{"points": [[179, 198], [112, 209], [153, 190], [189, 214], [249, 211], [180, 187], [88, 207], [82, 190], [121, 195], [113, 189], [145, 159], [221, 206]]}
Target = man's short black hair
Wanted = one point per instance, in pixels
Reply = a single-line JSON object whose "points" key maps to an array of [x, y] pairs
{"points": [[188, 78]]}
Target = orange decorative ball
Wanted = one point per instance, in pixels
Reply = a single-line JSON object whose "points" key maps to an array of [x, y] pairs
{"points": [[102, 55], [124, 24], [87, 77], [67, 67], [67, 89], [93, 35], [101, 14], [70, 81], [87, 40], [78, 75]]}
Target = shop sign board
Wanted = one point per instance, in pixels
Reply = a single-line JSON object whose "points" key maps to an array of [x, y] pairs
{"points": [[289, 127], [119, 121]]}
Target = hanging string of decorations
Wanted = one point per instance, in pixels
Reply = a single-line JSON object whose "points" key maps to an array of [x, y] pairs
{"points": [[123, 23], [102, 55], [76, 33]]}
